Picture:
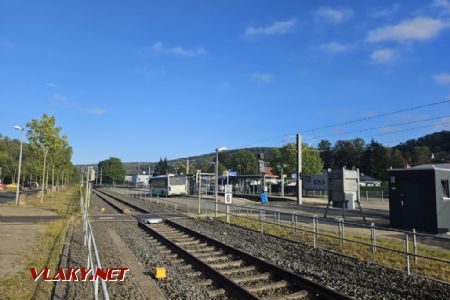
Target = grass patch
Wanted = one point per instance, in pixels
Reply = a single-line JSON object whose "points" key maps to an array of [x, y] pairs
{"points": [[46, 251], [59, 202], [427, 267]]}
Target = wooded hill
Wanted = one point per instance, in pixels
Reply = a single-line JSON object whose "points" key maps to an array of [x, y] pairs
{"points": [[372, 158]]}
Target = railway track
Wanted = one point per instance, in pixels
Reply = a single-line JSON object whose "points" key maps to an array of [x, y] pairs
{"points": [[239, 274]]}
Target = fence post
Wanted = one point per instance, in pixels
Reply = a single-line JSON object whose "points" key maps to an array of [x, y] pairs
{"points": [[382, 196], [261, 219], [414, 246], [373, 238], [367, 196], [292, 220], [314, 230], [340, 230], [408, 270]]}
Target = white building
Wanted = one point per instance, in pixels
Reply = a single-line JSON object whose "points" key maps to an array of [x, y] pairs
{"points": [[138, 179]]}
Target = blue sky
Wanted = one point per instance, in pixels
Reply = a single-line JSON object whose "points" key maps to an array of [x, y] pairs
{"points": [[146, 79]]}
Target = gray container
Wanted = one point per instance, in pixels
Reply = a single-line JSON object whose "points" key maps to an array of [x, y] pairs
{"points": [[419, 198]]}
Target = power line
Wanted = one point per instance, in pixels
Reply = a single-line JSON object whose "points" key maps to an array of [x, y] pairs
{"points": [[280, 137], [378, 115], [412, 128], [382, 127]]}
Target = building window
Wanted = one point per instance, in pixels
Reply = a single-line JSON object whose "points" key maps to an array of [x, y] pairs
{"points": [[445, 188]]}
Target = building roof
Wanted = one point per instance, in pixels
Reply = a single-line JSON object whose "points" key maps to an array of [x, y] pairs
{"points": [[427, 167], [367, 178]]}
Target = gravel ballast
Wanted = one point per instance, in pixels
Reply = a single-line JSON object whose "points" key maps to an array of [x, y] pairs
{"points": [[177, 285], [127, 289], [355, 278]]}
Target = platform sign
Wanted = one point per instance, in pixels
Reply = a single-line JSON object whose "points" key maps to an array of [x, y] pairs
{"points": [[261, 166], [228, 194]]}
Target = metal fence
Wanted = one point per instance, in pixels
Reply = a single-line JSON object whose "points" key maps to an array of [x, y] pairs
{"points": [[93, 260], [406, 243]]}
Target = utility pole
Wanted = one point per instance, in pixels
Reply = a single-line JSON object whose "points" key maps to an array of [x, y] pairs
{"points": [[217, 181], [187, 166], [299, 170], [101, 176]]}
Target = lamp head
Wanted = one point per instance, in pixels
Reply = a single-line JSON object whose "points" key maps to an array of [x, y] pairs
{"points": [[220, 149]]}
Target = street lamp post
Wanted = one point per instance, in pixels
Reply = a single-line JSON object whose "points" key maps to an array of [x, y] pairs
{"points": [[20, 162], [219, 149]]}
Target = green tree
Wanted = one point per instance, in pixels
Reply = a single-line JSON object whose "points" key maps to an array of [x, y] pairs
{"points": [[44, 135], [287, 155], [326, 153], [375, 160], [396, 159], [113, 170], [348, 153], [244, 162], [421, 155]]}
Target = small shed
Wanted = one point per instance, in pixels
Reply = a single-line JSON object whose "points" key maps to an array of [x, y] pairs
{"points": [[419, 198]]}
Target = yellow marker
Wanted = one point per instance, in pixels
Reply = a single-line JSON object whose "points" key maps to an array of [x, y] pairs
{"points": [[103, 209], [160, 273]]}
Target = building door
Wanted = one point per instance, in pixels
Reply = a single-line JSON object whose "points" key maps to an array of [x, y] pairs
{"points": [[412, 213]]}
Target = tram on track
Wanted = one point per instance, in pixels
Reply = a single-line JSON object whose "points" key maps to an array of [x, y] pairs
{"points": [[168, 185]]}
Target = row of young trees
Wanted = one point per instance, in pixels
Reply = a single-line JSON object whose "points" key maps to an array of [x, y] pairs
{"points": [[46, 158]]}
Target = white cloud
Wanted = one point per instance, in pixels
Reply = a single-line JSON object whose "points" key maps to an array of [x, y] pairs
{"points": [[383, 55], [334, 15], [52, 85], [335, 47], [384, 12], [419, 29], [63, 101], [261, 77], [95, 111], [277, 28], [158, 47], [442, 78], [445, 4]]}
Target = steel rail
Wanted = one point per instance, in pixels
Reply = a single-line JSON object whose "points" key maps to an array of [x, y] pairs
{"points": [[318, 290]]}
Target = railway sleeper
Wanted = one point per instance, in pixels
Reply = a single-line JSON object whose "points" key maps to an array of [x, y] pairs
{"points": [[205, 282], [193, 274], [187, 243], [270, 286], [299, 295], [251, 278], [224, 265], [216, 293], [245, 269], [200, 248], [203, 254], [215, 259]]}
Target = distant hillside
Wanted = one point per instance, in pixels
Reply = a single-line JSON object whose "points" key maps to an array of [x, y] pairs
{"points": [[437, 142], [433, 147], [202, 161]]}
